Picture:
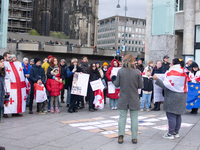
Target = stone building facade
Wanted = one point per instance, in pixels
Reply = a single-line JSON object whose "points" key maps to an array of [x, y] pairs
{"points": [[111, 33], [78, 19]]}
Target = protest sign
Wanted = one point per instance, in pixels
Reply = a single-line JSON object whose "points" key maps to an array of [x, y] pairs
{"points": [[158, 91], [96, 85]]}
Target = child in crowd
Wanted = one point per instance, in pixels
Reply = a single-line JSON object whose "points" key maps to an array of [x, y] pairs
{"points": [[147, 90], [54, 87]]}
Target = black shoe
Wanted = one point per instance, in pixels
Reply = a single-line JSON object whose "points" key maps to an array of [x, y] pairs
{"points": [[120, 139], [91, 110], [62, 101], [37, 110], [5, 115], [30, 112], [95, 109], [155, 106], [75, 110], [2, 148], [17, 115], [134, 141], [83, 106], [70, 111], [67, 105]]}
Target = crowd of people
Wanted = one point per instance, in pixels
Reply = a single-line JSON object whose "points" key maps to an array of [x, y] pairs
{"points": [[135, 82]]}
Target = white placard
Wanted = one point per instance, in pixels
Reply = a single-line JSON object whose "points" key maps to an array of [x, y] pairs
{"points": [[96, 85], [115, 70], [7, 84], [158, 95], [111, 87], [80, 84]]}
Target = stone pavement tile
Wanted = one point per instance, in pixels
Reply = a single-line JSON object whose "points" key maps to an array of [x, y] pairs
{"points": [[10, 147], [91, 143], [182, 147], [46, 147], [71, 139], [191, 139], [162, 144], [4, 141]]}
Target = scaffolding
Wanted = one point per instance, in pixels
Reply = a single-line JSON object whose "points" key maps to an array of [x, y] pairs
{"points": [[20, 15]]}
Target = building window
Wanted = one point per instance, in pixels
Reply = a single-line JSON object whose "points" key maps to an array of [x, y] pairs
{"points": [[119, 35], [119, 41], [118, 47], [136, 36], [139, 49], [122, 28], [129, 42], [139, 36], [140, 30], [133, 29], [133, 22], [132, 48], [130, 29], [136, 29], [136, 49], [130, 35], [129, 48], [135, 42], [139, 43], [179, 5], [126, 35], [132, 42], [143, 37], [122, 34], [119, 28], [142, 49], [133, 35], [125, 41]]}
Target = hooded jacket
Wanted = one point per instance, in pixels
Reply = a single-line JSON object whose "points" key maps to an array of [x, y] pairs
{"points": [[36, 73], [108, 73], [54, 87], [26, 71]]}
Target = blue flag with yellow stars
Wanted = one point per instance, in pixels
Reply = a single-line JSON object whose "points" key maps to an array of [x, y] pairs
{"points": [[193, 95]]}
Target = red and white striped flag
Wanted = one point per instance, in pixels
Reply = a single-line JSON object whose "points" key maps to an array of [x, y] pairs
{"points": [[176, 79], [17, 102], [99, 99], [39, 93]]}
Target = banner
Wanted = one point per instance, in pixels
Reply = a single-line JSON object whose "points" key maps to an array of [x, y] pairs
{"points": [[96, 85], [39, 93]]}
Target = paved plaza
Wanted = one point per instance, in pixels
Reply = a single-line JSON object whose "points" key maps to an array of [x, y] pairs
{"points": [[94, 131]]}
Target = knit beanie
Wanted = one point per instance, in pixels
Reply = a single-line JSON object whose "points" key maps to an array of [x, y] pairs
{"points": [[12, 56], [1, 57], [24, 59], [36, 60], [194, 65], [50, 56], [105, 64]]}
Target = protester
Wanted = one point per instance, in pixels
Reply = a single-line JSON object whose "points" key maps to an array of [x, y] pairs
{"points": [[63, 66], [71, 70], [140, 65], [189, 64], [166, 63], [7, 56], [147, 90], [113, 96], [158, 69], [128, 79], [194, 78], [174, 97], [149, 66], [37, 75], [94, 75], [105, 69], [3, 99], [31, 62], [26, 69], [13, 58], [98, 65], [45, 60], [61, 76], [46, 64], [54, 87]]}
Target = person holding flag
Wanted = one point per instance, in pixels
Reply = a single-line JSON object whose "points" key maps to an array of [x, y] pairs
{"points": [[193, 101], [175, 88]]}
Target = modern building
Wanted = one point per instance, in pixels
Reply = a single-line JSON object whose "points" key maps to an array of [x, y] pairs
{"points": [[111, 33], [173, 28], [20, 15]]}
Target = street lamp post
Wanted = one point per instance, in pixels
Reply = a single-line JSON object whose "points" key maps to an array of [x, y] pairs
{"points": [[124, 46]]}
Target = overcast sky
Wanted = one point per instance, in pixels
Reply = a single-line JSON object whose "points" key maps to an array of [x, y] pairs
{"points": [[136, 8]]}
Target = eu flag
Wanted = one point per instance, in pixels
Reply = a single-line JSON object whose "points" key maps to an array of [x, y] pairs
{"points": [[193, 95]]}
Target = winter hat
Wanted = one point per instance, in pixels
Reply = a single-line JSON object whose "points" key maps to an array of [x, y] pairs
{"points": [[194, 65], [1, 57], [24, 59], [74, 60], [50, 56], [139, 59], [32, 60], [36, 60], [98, 63], [12, 56], [105, 64], [189, 59]]}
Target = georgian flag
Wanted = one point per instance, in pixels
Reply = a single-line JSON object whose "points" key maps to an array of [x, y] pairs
{"points": [[176, 79], [39, 93], [194, 78], [17, 99], [99, 99]]}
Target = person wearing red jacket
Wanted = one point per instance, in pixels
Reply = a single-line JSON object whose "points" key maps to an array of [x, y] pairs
{"points": [[54, 87], [114, 96]]}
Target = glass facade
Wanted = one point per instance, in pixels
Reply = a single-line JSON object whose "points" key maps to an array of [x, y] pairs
{"points": [[163, 17]]}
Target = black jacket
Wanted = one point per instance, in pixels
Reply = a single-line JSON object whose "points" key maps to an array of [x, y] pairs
{"points": [[140, 67], [84, 67], [166, 66], [158, 71], [148, 84], [36, 73]]}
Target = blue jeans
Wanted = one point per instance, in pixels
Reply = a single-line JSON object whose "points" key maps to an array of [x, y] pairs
{"points": [[144, 98], [113, 102], [68, 95]]}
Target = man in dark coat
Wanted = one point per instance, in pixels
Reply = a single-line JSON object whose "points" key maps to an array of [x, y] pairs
{"points": [[37, 75], [166, 63], [140, 66], [63, 66]]}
